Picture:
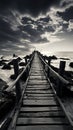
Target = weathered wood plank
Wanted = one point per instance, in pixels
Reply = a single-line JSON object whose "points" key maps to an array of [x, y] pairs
{"points": [[44, 127], [38, 86], [39, 95], [36, 74], [36, 109], [46, 121], [39, 102], [38, 98], [39, 89], [39, 92], [42, 114], [37, 77], [37, 83], [38, 80]]}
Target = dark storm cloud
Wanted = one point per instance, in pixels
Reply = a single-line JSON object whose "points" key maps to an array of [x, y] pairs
{"points": [[67, 14], [66, 3], [35, 28], [29, 6], [29, 30], [5, 31], [13, 48], [9, 29], [46, 19], [34, 34], [25, 31], [26, 20], [49, 29]]}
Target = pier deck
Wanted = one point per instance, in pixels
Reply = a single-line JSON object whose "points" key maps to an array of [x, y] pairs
{"points": [[40, 108]]}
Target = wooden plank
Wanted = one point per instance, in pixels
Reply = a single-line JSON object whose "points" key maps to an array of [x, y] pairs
{"points": [[34, 89], [37, 77], [44, 127], [37, 68], [38, 98], [37, 83], [36, 74], [38, 86], [35, 109], [39, 102], [39, 92], [38, 80], [42, 114], [44, 121], [39, 95], [37, 71]]}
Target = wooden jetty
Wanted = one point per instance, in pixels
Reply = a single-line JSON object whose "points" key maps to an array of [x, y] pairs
{"points": [[40, 102]]}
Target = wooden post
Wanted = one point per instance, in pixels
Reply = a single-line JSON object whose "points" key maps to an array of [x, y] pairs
{"points": [[44, 63], [62, 67], [48, 71], [16, 72], [49, 61], [16, 67], [60, 88], [25, 60]]}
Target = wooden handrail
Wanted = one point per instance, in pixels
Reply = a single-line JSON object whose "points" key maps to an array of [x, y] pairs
{"points": [[17, 106], [19, 76], [59, 77]]}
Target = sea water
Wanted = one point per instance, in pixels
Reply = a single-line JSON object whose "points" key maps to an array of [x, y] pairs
{"points": [[5, 74], [60, 55]]}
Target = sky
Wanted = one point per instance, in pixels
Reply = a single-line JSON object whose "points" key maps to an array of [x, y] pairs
{"points": [[44, 25]]}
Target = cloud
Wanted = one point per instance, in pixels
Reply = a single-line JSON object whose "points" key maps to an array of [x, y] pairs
{"points": [[51, 37], [66, 3], [34, 28], [67, 14], [70, 26], [11, 35], [29, 6], [24, 23]]}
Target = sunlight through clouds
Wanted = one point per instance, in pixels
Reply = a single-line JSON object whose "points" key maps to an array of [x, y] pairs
{"points": [[48, 24], [52, 38]]}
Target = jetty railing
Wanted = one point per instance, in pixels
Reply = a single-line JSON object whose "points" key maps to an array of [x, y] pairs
{"points": [[15, 87], [22, 76], [59, 82]]}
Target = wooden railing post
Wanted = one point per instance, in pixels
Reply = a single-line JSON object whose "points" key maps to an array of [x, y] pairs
{"points": [[48, 71], [44, 60], [26, 60], [62, 67], [16, 67], [16, 72], [60, 89]]}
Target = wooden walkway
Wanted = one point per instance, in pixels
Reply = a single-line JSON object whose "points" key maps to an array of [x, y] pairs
{"points": [[40, 109]]}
